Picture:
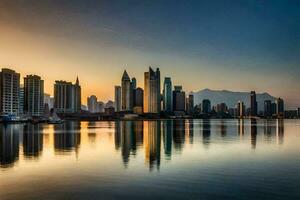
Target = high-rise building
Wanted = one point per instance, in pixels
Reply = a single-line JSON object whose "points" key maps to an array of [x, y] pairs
{"points": [[206, 106], [221, 108], [118, 99], [253, 104], [9, 92], [167, 95], [92, 104], [190, 104], [132, 92], [240, 109], [48, 100], [100, 106], [109, 104], [279, 107], [67, 97], [33, 96], [298, 112], [126, 94], [178, 99], [152, 96], [268, 108], [138, 100], [21, 100], [273, 106], [139, 97]]}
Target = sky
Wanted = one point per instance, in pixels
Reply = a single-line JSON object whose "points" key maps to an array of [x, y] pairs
{"points": [[234, 45]]}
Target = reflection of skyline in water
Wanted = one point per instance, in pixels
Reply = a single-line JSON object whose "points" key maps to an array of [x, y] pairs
{"points": [[206, 132], [253, 133], [32, 140], [9, 144], [160, 140], [67, 137]]}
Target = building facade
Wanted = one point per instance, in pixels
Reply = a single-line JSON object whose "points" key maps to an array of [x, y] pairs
{"points": [[118, 100], [268, 108], [167, 95], [190, 104], [178, 99], [206, 106], [138, 101], [279, 107], [67, 97], [92, 104], [21, 100], [9, 92], [126, 94], [253, 104], [33, 96], [241, 109], [152, 96]]}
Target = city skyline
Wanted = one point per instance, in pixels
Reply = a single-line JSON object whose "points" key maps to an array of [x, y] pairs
{"points": [[217, 50]]}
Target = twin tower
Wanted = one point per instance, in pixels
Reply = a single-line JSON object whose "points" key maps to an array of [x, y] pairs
{"points": [[130, 98]]}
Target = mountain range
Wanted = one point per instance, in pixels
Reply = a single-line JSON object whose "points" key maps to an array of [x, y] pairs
{"points": [[231, 98]]}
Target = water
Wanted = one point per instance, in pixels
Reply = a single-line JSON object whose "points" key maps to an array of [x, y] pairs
{"points": [[181, 159]]}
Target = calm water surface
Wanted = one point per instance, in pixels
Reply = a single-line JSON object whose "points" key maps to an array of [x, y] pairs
{"points": [[181, 159]]}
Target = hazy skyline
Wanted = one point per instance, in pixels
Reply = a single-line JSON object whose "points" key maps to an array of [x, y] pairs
{"points": [[236, 45]]}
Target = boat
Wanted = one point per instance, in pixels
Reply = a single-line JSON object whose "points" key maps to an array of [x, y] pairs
{"points": [[55, 121], [10, 118]]}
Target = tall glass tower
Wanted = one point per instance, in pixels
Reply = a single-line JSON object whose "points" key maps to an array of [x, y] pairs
{"points": [[167, 95]]}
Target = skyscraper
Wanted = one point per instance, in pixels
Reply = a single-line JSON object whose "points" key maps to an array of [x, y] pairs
{"points": [[268, 108], [67, 97], [126, 92], [167, 95], [190, 104], [240, 109], [152, 96], [132, 92], [206, 106], [9, 92], [118, 100], [178, 99], [138, 101], [100, 106], [33, 96], [253, 104], [49, 100], [21, 100], [279, 107], [92, 104]]}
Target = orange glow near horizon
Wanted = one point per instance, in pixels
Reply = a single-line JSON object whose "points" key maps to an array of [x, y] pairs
{"points": [[99, 66]]}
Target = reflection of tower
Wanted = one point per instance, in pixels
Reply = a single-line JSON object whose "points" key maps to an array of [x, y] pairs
{"points": [[223, 128], [117, 135], [179, 134], [190, 131], [253, 133], [9, 145], [138, 130], [128, 137], [67, 136], [269, 130], [280, 130], [32, 140], [167, 137], [153, 142], [206, 132], [91, 134], [241, 127], [127, 140]]}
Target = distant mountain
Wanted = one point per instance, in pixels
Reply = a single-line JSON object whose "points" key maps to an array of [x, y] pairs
{"points": [[231, 98]]}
